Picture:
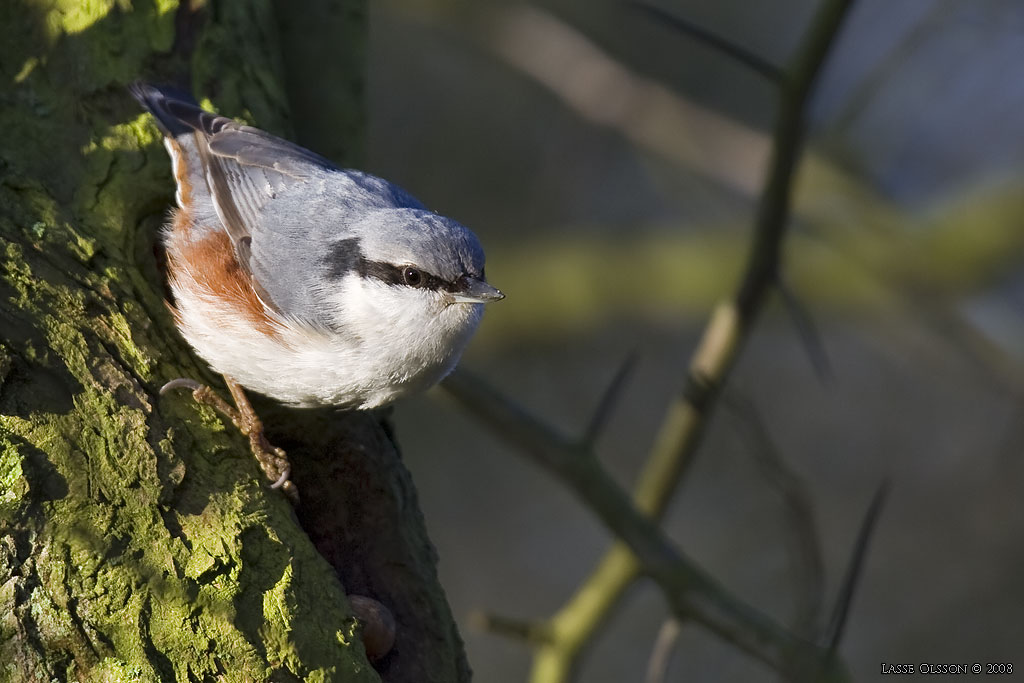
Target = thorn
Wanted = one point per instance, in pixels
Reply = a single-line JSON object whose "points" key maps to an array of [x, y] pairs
{"points": [[740, 54], [608, 400], [834, 632], [807, 331]]}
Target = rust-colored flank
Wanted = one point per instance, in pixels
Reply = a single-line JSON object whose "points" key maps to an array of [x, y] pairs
{"points": [[210, 264]]}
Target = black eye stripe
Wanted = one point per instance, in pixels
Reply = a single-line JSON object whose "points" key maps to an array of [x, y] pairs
{"points": [[345, 256], [395, 275]]}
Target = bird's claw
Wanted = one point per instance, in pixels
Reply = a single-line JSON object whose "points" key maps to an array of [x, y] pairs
{"points": [[273, 460]]}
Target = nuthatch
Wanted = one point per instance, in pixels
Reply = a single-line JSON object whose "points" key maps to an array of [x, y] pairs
{"points": [[307, 283]]}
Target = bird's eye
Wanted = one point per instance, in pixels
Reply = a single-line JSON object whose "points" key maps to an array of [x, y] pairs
{"points": [[412, 276]]}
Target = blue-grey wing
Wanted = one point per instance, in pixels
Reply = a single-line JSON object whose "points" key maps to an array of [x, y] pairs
{"points": [[278, 202]]}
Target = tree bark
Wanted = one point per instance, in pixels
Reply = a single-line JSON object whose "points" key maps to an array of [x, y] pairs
{"points": [[138, 538]]}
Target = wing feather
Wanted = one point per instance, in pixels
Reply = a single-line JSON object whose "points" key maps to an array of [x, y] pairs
{"points": [[242, 168]]}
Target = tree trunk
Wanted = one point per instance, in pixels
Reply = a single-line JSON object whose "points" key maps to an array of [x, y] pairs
{"points": [[138, 538]]}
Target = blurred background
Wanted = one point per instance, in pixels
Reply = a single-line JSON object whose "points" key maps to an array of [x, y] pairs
{"points": [[610, 165]]}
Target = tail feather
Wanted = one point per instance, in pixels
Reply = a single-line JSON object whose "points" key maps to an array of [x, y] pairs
{"points": [[176, 112], [186, 130]]}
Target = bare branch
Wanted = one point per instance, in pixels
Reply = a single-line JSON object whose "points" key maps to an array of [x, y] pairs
{"points": [[690, 592], [738, 52], [788, 139], [511, 421]]}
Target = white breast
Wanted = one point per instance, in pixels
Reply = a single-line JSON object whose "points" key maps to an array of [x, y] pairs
{"points": [[387, 342]]}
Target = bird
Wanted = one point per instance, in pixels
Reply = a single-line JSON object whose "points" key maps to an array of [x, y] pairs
{"points": [[302, 281]]}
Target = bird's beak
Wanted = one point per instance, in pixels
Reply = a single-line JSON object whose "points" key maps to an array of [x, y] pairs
{"points": [[474, 291]]}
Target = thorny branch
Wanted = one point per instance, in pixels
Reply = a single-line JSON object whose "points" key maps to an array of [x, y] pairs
{"points": [[690, 592], [642, 548]]}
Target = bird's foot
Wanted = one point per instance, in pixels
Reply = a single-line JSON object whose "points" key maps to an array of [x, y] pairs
{"points": [[272, 459]]}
